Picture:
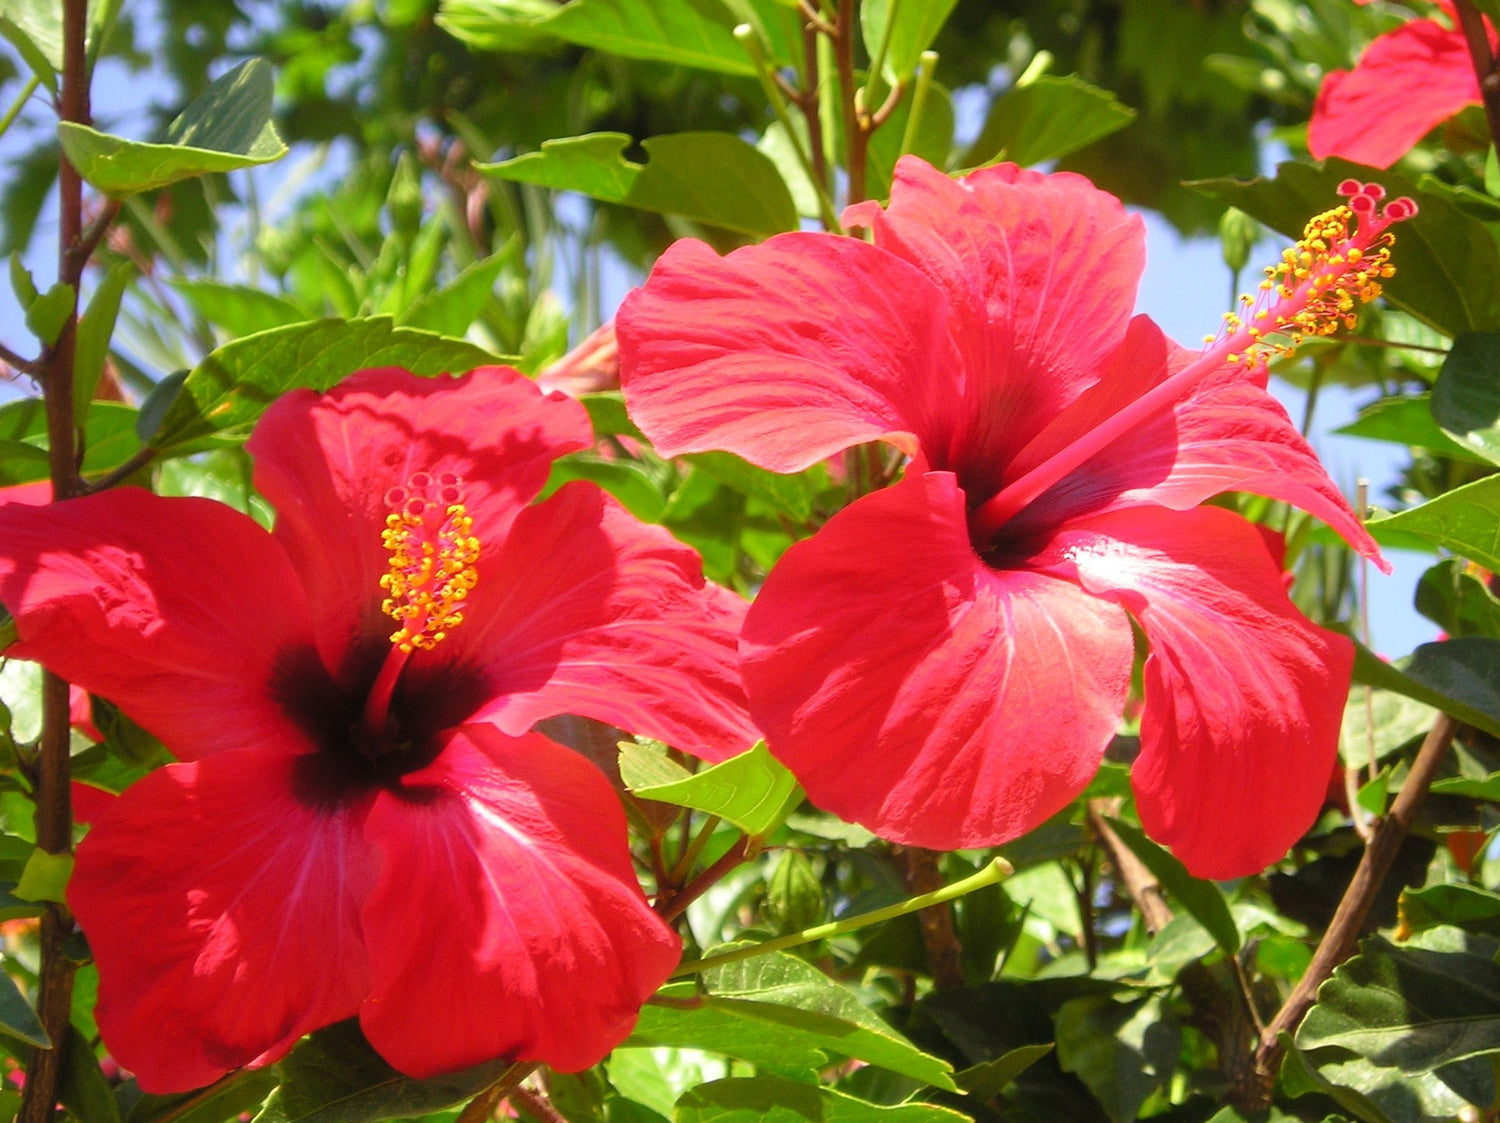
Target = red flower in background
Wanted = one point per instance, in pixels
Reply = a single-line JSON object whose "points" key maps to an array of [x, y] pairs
{"points": [[946, 660], [1406, 83], [363, 823]]}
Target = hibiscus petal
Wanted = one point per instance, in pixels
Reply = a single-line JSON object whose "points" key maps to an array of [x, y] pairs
{"points": [[585, 610], [918, 692], [326, 462], [507, 920], [1226, 434], [1040, 272], [1244, 696], [223, 912], [183, 612], [1406, 83], [785, 352]]}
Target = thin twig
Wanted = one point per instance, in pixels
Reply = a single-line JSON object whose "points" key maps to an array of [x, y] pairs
{"points": [[808, 101], [814, 18], [536, 1104], [1139, 882], [54, 812], [77, 256], [482, 1107], [1343, 931], [919, 869], [673, 906], [855, 133], [1477, 37], [119, 475], [1231, 1024], [19, 362]]}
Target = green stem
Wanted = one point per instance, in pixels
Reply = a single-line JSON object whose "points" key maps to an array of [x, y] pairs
{"points": [[926, 66], [992, 873], [747, 38], [695, 848], [19, 104]]}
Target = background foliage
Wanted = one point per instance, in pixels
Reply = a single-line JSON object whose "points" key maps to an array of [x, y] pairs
{"points": [[449, 184]]}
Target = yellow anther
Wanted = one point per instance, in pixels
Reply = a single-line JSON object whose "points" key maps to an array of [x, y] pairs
{"points": [[433, 555]]}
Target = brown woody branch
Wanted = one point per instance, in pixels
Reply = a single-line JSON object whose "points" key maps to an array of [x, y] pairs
{"points": [[1343, 931], [1477, 37]]}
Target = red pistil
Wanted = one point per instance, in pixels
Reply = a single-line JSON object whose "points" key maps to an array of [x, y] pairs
{"points": [[1312, 291]]}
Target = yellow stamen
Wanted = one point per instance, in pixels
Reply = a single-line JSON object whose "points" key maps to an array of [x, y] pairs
{"points": [[433, 557]]}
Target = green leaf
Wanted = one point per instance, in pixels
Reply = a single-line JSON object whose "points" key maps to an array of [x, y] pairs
{"points": [[780, 1013], [85, 1091], [987, 1080], [335, 1077], [1487, 788], [1407, 421], [644, 764], [34, 28], [1299, 1078], [451, 309], [626, 480], [783, 989], [226, 127], [239, 1092], [45, 877], [1123, 1051], [1465, 520], [608, 417], [1045, 119], [1454, 597], [109, 438], [1463, 906], [46, 314], [1385, 720], [1458, 676], [776, 1100], [906, 27], [1203, 899], [95, 327], [238, 309], [791, 495], [753, 790], [696, 33], [225, 393], [714, 178], [1466, 396], [17, 1018], [498, 25], [1447, 266], [21, 282], [1410, 1008]]}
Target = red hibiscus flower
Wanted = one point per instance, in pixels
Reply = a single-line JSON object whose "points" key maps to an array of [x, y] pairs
{"points": [[946, 660], [363, 823], [1406, 83]]}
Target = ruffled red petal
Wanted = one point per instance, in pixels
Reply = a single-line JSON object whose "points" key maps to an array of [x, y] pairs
{"points": [[1406, 83], [786, 352], [183, 612], [223, 912], [507, 920], [1226, 434], [1244, 696], [585, 610], [916, 691], [1040, 272], [326, 462]]}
